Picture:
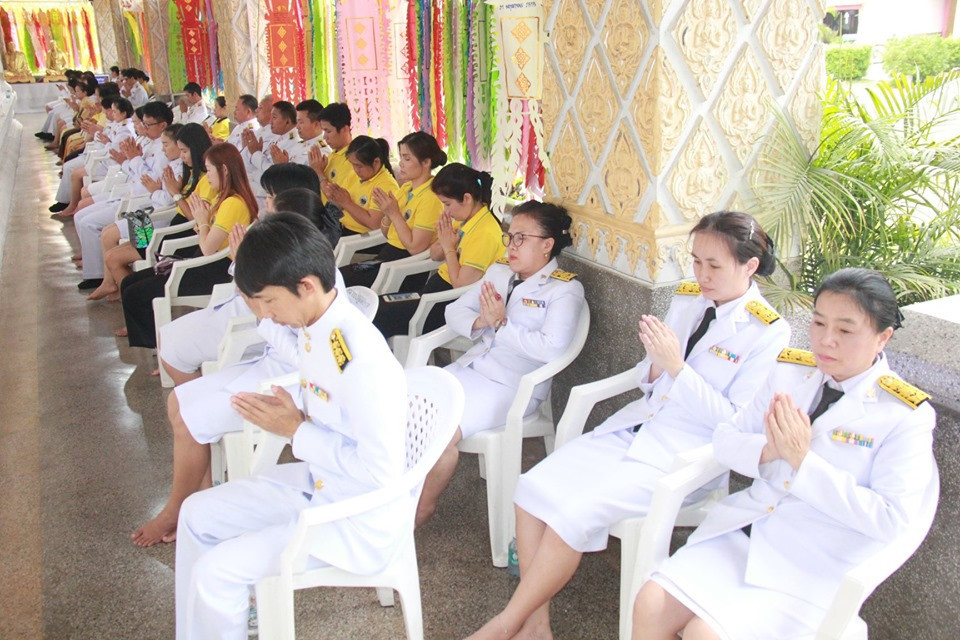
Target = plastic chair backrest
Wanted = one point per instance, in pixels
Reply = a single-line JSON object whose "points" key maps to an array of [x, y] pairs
{"points": [[364, 299], [434, 410]]}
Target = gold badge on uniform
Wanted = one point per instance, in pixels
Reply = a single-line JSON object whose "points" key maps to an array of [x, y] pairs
{"points": [[364, 200], [797, 356], [539, 304], [341, 354], [560, 274], [906, 393], [688, 289], [764, 314], [317, 391]]}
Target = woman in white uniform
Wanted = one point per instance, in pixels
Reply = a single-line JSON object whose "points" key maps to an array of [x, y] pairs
{"points": [[841, 452], [199, 409], [705, 361], [524, 313], [192, 339]]}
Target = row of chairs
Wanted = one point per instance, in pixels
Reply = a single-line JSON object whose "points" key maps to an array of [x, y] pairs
{"points": [[644, 541]]}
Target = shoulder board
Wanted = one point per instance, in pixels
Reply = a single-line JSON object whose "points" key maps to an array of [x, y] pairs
{"points": [[341, 354], [688, 289], [797, 356], [560, 274], [764, 314], [503, 260], [906, 393]]}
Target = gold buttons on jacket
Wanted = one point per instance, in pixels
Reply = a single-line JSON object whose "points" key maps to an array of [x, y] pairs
{"points": [[318, 485], [307, 347], [769, 509], [303, 383], [786, 484]]}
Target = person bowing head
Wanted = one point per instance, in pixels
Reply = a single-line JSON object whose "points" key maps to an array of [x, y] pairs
{"points": [[523, 314], [841, 453], [704, 361]]}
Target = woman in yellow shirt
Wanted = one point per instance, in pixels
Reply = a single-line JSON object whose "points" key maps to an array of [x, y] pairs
{"points": [[220, 127], [409, 220], [469, 239], [235, 204], [370, 160]]}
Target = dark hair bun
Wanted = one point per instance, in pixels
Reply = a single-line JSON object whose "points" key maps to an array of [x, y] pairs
{"points": [[768, 261]]}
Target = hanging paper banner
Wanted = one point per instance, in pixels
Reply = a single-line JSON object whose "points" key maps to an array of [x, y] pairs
{"points": [[321, 40], [195, 42], [365, 86], [285, 51], [401, 120], [175, 57], [518, 146]]}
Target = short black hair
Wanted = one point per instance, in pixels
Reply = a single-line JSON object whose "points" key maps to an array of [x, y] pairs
{"points": [[280, 177], [109, 88], [159, 111], [122, 104], [279, 251], [456, 180], [313, 108], [553, 220], [337, 114], [286, 109], [366, 150], [249, 101], [115, 69], [220, 101], [870, 291], [310, 205], [192, 87]]}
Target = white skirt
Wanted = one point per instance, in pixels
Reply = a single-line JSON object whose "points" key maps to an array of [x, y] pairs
{"points": [[586, 486], [194, 338], [205, 402], [486, 402], [708, 579]]}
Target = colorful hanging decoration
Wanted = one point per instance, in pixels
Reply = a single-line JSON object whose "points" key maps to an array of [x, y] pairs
{"points": [[518, 146], [285, 50], [401, 121], [322, 48], [193, 26], [175, 58], [364, 67], [481, 107]]}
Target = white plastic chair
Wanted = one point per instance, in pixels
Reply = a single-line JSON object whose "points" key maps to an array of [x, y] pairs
{"points": [[579, 405], [240, 342], [434, 410], [163, 306], [348, 246], [500, 449], [156, 242], [364, 299], [693, 469]]}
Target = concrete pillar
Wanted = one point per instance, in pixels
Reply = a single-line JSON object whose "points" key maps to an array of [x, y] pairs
{"points": [[243, 47], [654, 112], [112, 50], [158, 30]]}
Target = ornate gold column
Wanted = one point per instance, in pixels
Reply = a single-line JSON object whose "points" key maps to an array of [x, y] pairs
{"points": [[243, 48], [655, 109], [158, 29], [105, 13]]}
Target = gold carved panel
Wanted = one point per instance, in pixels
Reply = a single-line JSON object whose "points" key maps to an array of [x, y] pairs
{"points": [[596, 106], [743, 107], [624, 177], [699, 177], [806, 108], [705, 34], [752, 8], [595, 9], [570, 39], [661, 109], [552, 101], [787, 33], [625, 37], [568, 163]]}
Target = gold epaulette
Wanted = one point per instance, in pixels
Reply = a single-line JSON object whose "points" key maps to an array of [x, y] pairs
{"points": [[341, 354], [688, 289], [906, 393], [503, 260], [560, 274], [764, 314], [797, 356]]}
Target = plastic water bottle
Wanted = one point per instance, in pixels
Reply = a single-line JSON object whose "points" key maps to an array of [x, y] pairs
{"points": [[513, 565]]}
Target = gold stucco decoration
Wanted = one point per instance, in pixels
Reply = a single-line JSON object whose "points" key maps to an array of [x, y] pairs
{"points": [[569, 167], [595, 9], [661, 109], [596, 106], [752, 8], [624, 177], [705, 34], [625, 36], [742, 109], [786, 37], [569, 39], [699, 177], [806, 108]]}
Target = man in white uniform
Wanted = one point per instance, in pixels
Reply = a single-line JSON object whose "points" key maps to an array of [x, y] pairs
{"points": [[244, 114], [191, 107], [131, 89], [232, 535], [311, 134], [257, 151]]}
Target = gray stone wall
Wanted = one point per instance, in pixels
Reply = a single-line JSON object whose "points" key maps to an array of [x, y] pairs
{"points": [[921, 600]]}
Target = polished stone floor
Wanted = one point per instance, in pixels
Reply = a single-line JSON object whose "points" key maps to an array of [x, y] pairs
{"points": [[85, 455]]}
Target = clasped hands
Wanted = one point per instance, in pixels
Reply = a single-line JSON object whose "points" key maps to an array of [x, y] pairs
{"points": [[199, 209], [788, 432], [662, 346], [130, 148], [277, 413], [335, 193], [250, 140], [493, 308]]}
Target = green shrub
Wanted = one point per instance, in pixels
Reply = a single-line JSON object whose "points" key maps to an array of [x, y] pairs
{"points": [[828, 35], [916, 56], [848, 62], [953, 53]]}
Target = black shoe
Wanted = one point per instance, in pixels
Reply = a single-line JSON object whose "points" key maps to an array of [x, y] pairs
{"points": [[41, 134], [90, 283], [57, 207], [48, 137]]}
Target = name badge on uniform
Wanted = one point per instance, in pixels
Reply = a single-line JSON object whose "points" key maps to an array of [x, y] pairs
{"points": [[317, 391], [851, 438], [723, 353], [539, 304]]}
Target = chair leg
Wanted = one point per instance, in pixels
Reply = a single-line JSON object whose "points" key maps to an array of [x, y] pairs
{"points": [[385, 596], [409, 591], [628, 562], [481, 459], [238, 455], [498, 539], [162, 314], [218, 463], [275, 616]]}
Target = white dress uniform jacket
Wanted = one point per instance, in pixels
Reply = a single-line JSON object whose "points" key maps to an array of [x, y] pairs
{"points": [[858, 488], [195, 114], [542, 316], [301, 152], [234, 137], [723, 372]]}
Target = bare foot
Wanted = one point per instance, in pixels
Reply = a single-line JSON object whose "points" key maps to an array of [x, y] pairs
{"points": [[79, 265], [155, 373], [113, 297], [535, 629], [163, 528], [121, 332], [77, 258], [102, 292], [495, 629]]}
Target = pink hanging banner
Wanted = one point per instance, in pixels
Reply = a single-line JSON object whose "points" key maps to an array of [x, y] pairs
{"points": [[364, 64]]}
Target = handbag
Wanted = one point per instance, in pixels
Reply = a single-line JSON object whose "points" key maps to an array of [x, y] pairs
{"points": [[140, 226], [164, 265]]}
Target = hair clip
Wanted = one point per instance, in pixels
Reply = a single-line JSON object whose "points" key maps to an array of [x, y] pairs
{"points": [[750, 237]]}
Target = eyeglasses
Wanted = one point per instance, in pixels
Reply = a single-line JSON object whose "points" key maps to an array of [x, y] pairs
{"points": [[150, 124], [516, 239]]}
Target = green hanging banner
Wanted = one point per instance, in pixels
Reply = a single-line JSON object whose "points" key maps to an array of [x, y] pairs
{"points": [[175, 58]]}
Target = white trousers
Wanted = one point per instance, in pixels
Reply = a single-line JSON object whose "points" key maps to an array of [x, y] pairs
{"points": [[89, 222], [228, 538], [63, 191]]}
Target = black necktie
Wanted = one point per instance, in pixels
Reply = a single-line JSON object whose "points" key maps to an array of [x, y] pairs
{"points": [[514, 281], [708, 317], [827, 398]]}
